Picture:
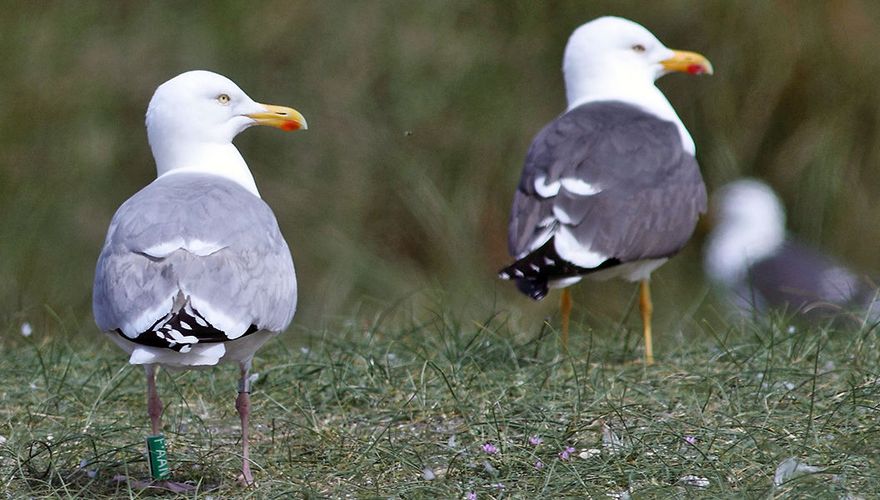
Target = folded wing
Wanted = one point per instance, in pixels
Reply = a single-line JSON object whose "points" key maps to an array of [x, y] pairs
{"points": [[193, 258], [604, 184]]}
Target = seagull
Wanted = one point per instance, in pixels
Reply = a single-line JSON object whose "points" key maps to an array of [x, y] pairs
{"points": [[611, 187], [761, 267], [194, 270]]}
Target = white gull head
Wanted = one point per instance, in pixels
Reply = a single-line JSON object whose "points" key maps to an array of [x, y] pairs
{"points": [[193, 118], [611, 58], [749, 225]]}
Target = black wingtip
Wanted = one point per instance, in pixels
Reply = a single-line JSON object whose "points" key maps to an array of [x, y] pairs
{"points": [[511, 272], [536, 289], [533, 286]]}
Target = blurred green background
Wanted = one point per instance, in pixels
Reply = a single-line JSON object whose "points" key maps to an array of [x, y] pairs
{"points": [[420, 114]]}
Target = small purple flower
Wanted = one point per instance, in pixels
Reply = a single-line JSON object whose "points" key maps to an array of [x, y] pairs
{"points": [[490, 449], [566, 453], [691, 440], [535, 440], [470, 496], [539, 465]]}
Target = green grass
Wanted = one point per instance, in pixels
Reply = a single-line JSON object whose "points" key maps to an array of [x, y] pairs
{"points": [[372, 407]]}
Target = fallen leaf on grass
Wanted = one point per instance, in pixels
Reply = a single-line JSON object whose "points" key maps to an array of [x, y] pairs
{"points": [[620, 495], [790, 468], [611, 441], [589, 453], [692, 480]]}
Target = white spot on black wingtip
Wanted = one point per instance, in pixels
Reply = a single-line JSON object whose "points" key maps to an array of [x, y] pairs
{"points": [[168, 332], [518, 273], [534, 267], [504, 275], [549, 261]]}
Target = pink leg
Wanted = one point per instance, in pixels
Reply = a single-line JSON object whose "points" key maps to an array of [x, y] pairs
{"points": [[243, 405], [154, 404], [154, 409]]}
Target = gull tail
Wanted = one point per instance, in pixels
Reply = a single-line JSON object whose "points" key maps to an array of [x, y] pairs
{"points": [[534, 271]]}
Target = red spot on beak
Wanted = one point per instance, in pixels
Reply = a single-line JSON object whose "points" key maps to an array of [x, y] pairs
{"points": [[291, 125], [696, 69]]}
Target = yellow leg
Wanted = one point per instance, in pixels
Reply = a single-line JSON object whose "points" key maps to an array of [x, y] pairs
{"points": [[565, 309], [646, 308]]}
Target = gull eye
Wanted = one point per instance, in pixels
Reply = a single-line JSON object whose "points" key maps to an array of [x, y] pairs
{"points": [[638, 48], [223, 99]]}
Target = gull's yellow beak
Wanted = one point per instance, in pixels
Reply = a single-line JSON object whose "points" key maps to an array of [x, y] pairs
{"points": [[688, 62], [280, 117]]}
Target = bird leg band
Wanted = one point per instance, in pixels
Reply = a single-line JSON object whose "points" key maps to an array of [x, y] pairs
{"points": [[244, 385], [158, 458]]}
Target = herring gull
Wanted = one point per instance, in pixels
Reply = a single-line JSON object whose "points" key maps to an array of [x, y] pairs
{"points": [[194, 270]]}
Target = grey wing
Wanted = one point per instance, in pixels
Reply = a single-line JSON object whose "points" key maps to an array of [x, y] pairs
{"points": [[203, 248], [801, 278], [608, 183]]}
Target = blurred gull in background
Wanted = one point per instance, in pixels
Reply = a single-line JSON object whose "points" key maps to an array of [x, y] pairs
{"points": [[761, 268]]}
